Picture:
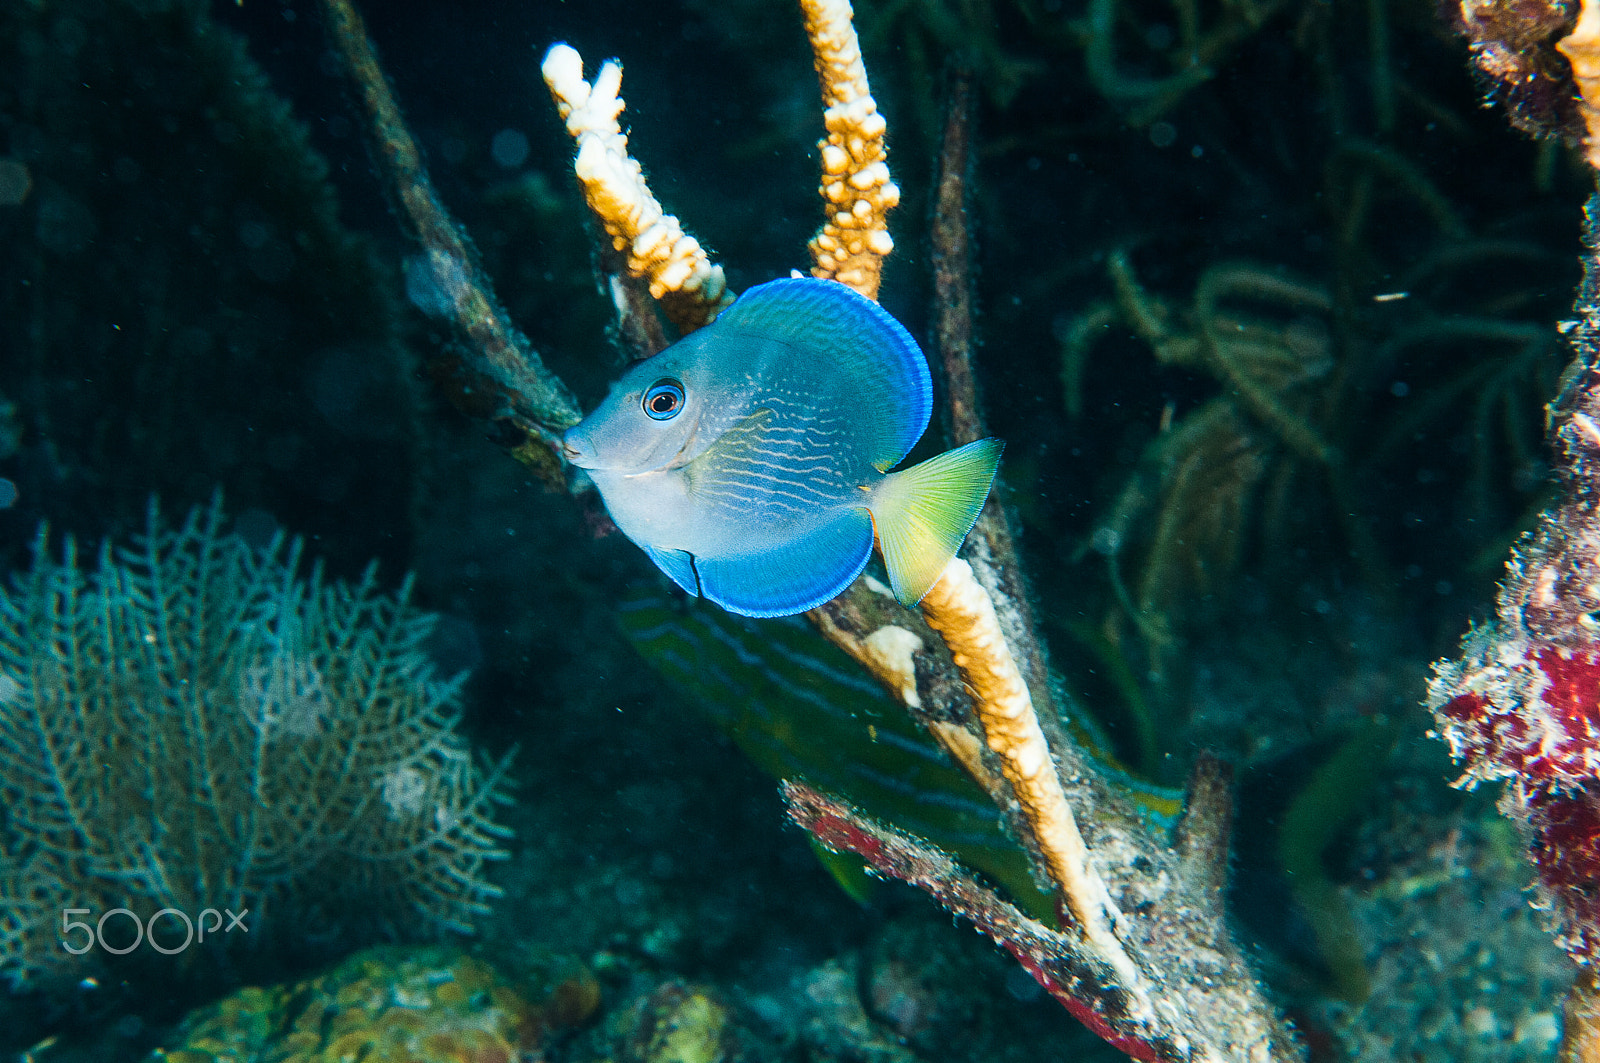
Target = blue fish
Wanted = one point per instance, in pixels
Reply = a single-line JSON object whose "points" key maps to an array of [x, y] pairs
{"points": [[751, 459]]}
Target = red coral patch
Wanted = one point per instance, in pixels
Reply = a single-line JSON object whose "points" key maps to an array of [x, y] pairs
{"points": [[1566, 850], [1464, 707], [1574, 690]]}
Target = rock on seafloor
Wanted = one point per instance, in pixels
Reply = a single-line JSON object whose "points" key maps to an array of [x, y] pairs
{"points": [[401, 1005]]}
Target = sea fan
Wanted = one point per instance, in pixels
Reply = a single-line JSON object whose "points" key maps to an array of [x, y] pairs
{"points": [[192, 725]]}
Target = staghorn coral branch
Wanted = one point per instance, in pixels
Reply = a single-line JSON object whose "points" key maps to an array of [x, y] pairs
{"points": [[962, 612], [856, 188], [690, 288]]}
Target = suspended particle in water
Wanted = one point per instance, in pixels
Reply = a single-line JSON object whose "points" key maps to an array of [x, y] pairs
{"points": [[509, 148]]}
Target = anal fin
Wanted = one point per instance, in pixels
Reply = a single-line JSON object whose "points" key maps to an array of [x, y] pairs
{"points": [[792, 576]]}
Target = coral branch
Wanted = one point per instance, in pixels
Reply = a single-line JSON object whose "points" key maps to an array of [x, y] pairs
{"points": [[960, 610], [952, 264], [856, 189], [499, 360], [1056, 960], [690, 288], [991, 545]]}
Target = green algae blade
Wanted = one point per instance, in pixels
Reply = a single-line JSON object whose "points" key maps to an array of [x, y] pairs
{"points": [[801, 709]]}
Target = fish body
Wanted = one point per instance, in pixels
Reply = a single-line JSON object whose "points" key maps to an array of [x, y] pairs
{"points": [[751, 459]]}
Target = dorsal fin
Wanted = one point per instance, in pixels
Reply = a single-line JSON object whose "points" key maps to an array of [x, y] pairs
{"points": [[889, 386]]}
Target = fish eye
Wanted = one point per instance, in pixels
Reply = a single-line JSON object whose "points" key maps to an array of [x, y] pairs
{"points": [[663, 399]]}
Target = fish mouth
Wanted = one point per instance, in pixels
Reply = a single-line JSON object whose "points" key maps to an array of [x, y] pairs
{"points": [[575, 450], [580, 456], [667, 454]]}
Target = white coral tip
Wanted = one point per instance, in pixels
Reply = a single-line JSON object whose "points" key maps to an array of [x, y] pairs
{"points": [[608, 83], [593, 162], [563, 72]]}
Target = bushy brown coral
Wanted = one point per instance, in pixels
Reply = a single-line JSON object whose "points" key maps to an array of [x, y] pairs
{"points": [[1513, 44]]}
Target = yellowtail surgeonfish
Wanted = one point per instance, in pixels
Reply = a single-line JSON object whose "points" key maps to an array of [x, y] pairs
{"points": [[751, 459]]}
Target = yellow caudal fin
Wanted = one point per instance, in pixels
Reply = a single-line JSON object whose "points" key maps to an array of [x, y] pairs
{"points": [[922, 514]]}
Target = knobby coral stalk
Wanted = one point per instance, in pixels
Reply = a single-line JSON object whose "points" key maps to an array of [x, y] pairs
{"points": [[958, 608], [963, 614], [856, 188], [965, 619], [690, 288]]}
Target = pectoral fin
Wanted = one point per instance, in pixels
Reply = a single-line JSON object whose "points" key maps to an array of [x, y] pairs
{"points": [[719, 465], [679, 564]]}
